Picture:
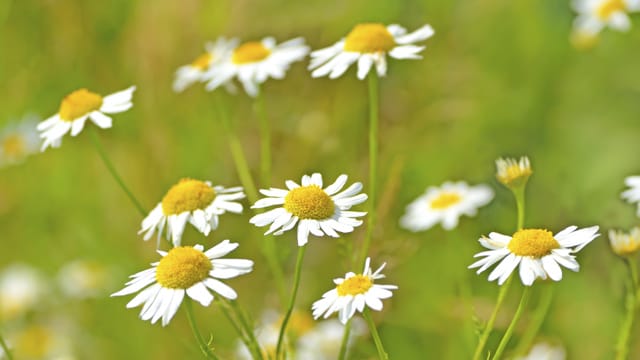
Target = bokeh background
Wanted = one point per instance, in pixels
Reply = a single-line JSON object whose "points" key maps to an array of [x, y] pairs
{"points": [[499, 78]]}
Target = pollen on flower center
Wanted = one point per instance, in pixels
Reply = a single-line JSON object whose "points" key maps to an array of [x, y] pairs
{"points": [[309, 202], [13, 145], [607, 8], [444, 200], [183, 267], [187, 195], [358, 284], [252, 51], [369, 38], [79, 103], [533, 242], [202, 61]]}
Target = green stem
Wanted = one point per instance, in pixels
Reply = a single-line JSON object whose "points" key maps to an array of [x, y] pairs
{"points": [[265, 140], [105, 158], [518, 193], [507, 335], [292, 301], [382, 355], [622, 347], [204, 347], [5, 348], [242, 326], [492, 319], [536, 322], [373, 162], [345, 341]]}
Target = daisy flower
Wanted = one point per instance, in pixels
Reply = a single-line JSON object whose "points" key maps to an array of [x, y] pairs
{"points": [[184, 269], [445, 205], [368, 44], [513, 173], [538, 252], [315, 210], [544, 351], [79, 106], [254, 62], [22, 289], [191, 201], [18, 141], [624, 244], [595, 15], [194, 72], [632, 195], [352, 293]]}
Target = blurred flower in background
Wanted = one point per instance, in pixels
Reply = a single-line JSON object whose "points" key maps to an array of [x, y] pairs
{"points": [[22, 289], [83, 279], [625, 244], [19, 140], [632, 195], [513, 173], [545, 351], [595, 15], [194, 72]]}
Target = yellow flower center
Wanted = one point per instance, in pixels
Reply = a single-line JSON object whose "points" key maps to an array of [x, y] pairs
{"points": [[79, 103], [34, 343], [369, 38], [249, 52], [358, 284], [187, 195], [513, 173], [608, 7], [444, 200], [182, 268], [300, 322], [309, 202], [533, 242], [625, 244], [202, 61], [13, 146]]}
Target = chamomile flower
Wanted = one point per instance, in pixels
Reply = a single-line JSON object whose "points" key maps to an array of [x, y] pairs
{"points": [[254, 62], [544, 351], [368, 44], [513, 173], [445, 205], [184, 270], [18, 141], [632, 195], [193, 201], [323, 341], [595, 15], [79, 106], [314, 210], [194, 72], [352, 293], [625, 244], [538, 253], [22, 288]]}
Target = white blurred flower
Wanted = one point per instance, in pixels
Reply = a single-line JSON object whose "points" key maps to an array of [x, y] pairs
{"points": [[625, 244], [632, 195], [323, 341], [194, 72], [18, 141], [544, 351], [82, 279], [22, 288], [595, 15]]}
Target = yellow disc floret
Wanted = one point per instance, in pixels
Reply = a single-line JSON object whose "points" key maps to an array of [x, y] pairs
{"points": [[79, 103], [182, 268], [513, 173], [625, 244], [249, 52], [309, 202], [202, 61], [608, 7], [533, 242], [358, 284], [445, 200], [187, 195], [369, 38]]}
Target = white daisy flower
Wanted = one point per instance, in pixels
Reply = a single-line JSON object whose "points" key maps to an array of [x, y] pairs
{"points": [[194, 72], [254, 62], [368, 44], [513, 173], [18, 141], [184, 269], [79, 106], [445, 205], [354, 292], [315, 210], [193, 201], [595, 15], [544, 351], [538, 252], [22, 287], [632, 195], [625, 244], [323, 341]]}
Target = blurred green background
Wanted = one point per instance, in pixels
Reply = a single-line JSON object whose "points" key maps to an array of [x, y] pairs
{"points": [[499, 78]]}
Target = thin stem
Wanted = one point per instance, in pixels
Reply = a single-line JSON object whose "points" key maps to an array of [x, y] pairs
{"points": [[492, 319], [536, 321], [5, 348], [241, 326], [206, 350], [345, 341], [292, 301], [622, 346], [382, 355], [105, 158], [265, 140], [518, 193], [248, 328], [373, 162], [507, 335]]}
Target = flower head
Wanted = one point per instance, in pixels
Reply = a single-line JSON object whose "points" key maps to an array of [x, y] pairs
{"points": [[194, 72], [21, 289], [595, 15], [368, 44], [184, 270], [194, 201], [18, 141], [624, 244], [315, 210], [254, 62], [513, 173], [445, 205], [352, 293], [632, 195], [538, 252]]}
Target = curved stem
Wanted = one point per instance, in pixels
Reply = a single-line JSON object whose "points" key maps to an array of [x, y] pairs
{"points": [[242, 326], [265, 140], [536, 322], [206, 350], [492, 319], [345, 341], [507, 335], [292, 301], [622, 346], [382, 355], [5, 348], [105, 158]]}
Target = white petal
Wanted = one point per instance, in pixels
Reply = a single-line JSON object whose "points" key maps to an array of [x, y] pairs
{"points": [[199, 293]]}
